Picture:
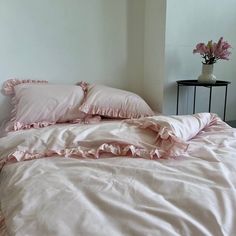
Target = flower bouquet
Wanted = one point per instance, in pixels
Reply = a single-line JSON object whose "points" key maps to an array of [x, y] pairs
{"points": [[211, 53]]}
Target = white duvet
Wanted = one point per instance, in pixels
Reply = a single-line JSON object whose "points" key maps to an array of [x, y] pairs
{"points": [[190, 194]]}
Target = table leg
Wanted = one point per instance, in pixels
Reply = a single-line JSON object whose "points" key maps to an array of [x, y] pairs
{"points": [[194, 99], [226, 91], [210, 99], [177, 105]]}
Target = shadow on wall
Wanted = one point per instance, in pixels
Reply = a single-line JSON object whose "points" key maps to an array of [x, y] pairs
{"points": [[135, 45], [129, 66], [112, 44], [173, 68]]}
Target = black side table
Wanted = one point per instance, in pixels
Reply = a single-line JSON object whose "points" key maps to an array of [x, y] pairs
{"points": [[195, 83]]}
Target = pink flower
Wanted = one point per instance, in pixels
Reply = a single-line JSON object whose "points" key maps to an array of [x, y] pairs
{"points": [[224, 55], [200, 48], [211, 52]]}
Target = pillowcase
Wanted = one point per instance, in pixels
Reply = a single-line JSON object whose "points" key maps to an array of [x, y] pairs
{"points": [[114, 103], [39, 105]]}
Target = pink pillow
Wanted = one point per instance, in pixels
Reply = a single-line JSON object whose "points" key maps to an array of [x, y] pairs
{"points": [[39, 105], [114, 103]]}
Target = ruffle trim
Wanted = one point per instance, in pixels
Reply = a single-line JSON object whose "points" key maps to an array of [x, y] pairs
{"points": [[84, 86], [110, 112], [89, 119], [165, 140], [20, 126], [3, 228], [8, 86], [127, 150]]}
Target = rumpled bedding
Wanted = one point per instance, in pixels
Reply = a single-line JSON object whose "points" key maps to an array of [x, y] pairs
{"points": [[189, 190], [149, 137]]}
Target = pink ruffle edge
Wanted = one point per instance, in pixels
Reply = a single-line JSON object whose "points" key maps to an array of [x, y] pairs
{"points": [[166, 140], [110, 112], [88, 119], [176, 148], [8, 86], [3, 228], [84, 86]]}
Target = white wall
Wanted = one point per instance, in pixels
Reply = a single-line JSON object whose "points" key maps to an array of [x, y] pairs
{"points": [[154, 53], [69, 41], [188, 23]]}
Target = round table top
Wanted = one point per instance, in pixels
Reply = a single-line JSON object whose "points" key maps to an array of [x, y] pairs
{"points": [[196, 83]]}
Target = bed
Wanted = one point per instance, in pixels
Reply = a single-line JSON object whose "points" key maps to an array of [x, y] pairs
{"points": [[154, 175]]}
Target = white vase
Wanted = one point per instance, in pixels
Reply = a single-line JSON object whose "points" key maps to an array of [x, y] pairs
{"points": [[207, 74]]}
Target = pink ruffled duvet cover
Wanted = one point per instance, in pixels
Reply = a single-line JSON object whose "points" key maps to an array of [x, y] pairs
{"points": [[149, 137], [192, 194]]}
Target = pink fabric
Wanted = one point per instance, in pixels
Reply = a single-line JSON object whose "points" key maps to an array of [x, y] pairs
{"points": [[8, 86], [84, 86], [37, 106], [115, 103], [3, 229], [184, 127], [173, 130], [151, 138], [192, 195]]}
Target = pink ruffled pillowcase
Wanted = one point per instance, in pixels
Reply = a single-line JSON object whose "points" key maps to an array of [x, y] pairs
{"points": [[39, 104], [113, 103], [8, 87]]}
